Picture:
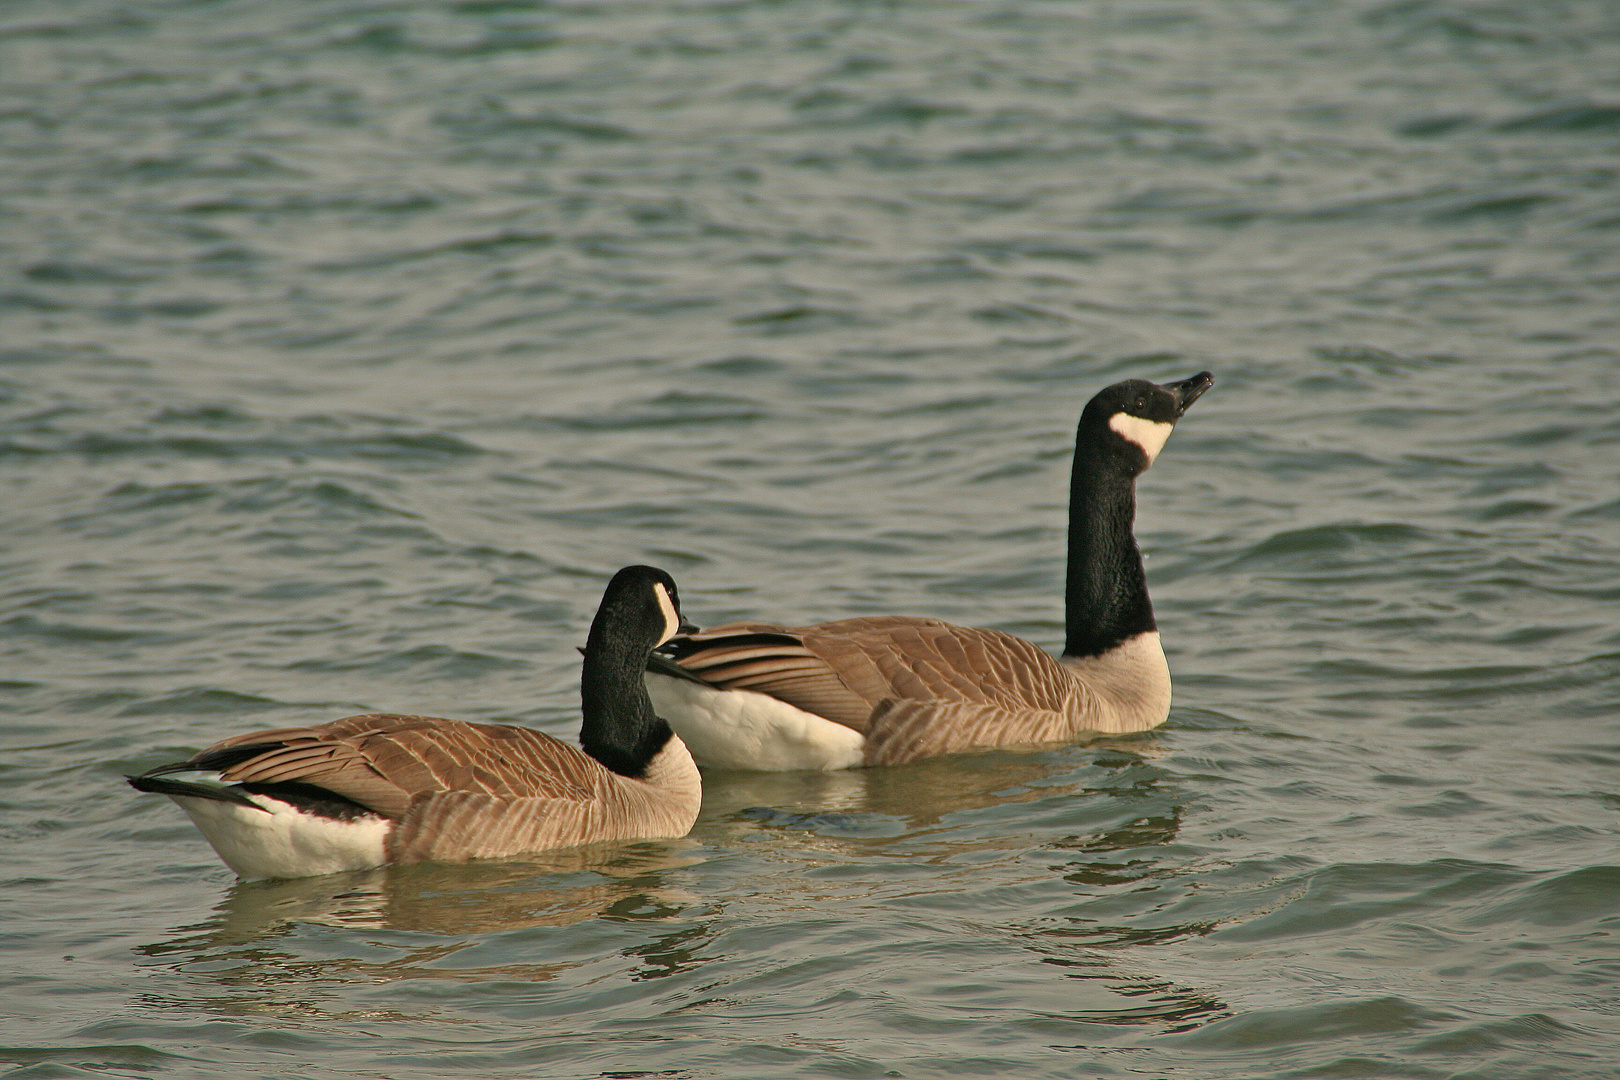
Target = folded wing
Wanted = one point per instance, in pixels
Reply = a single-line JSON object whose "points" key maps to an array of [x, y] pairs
{"points": [[456, 790], [845, 670]]}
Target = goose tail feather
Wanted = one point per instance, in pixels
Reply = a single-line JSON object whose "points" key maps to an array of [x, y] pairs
{"points": [[162, 785]]}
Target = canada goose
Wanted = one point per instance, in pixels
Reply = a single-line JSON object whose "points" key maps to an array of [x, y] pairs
{"points": [[891, 689], [376, 789]]}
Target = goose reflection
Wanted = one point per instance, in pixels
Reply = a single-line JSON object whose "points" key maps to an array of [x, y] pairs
{"points": [[1096, 816], [262, 952], [458, 906], [933, 800], [554, 889]]}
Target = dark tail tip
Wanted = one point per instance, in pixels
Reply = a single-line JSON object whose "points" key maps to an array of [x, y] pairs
{"points": [[162, 785]]}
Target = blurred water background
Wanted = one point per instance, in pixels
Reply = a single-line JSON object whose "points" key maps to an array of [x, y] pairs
{"points": [[347, 347]]}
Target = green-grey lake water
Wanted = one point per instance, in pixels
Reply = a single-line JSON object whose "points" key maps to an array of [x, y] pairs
{"points": [[348, 346]]}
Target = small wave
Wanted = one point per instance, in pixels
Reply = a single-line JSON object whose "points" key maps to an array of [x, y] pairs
{"points": [[1496, 1035], [1304, 548], [1024, 313], [1433, 127], [209, 415], [833, 106], [1544, 434], [18, 300], [66, 633], [1604, 511], [1032, 247], [71, 272], [1512, 509], [1588, 895], [1496, 205], [425, 445], [1573, 118], [799, 319], [1330, 899], [742, 366], [440, 661], [117, 21], [490, 39], [132, 508], [673, 408], [824, 823], [1368, 356], [493, 117], [1363, 1017], [202, 701], [497, 244], [365, 200], [1203, 206], [97, 1058]]}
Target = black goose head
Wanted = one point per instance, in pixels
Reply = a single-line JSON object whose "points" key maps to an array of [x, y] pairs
{"points": [[1132, 419], [640, 610]]}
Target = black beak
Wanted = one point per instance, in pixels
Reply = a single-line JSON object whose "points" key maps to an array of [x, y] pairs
{"points": [[687, 626], [1190, 390]]}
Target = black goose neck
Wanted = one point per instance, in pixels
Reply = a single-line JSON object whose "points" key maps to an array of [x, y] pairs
{"points": [[619, 727], [1106, 598]]}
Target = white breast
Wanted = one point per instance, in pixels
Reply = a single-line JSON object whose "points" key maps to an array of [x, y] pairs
{"points": [[1130, 684], [744, 729]]}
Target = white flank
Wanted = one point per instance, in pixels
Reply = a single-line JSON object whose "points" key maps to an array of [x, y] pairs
{"points": [[1150, 435], [744, 729], [672, 620], [1131, 682], [286, 842]]}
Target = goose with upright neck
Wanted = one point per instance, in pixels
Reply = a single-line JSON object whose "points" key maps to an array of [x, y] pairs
{"points": [[891, 689], [383, 789]]}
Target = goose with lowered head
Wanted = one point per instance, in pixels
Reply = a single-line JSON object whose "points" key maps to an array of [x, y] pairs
{"points": [[891, 689], [378, 789]]}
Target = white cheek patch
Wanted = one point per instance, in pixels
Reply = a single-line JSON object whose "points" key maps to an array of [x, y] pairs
{"points": [[672, 620], [1150, 435]]}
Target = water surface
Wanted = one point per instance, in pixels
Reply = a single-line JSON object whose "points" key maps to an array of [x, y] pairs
{"points": [[346, 348]]}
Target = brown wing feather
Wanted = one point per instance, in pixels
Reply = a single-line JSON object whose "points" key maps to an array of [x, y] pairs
{"points": [[387, 762], [734, 657], [843, 670]]}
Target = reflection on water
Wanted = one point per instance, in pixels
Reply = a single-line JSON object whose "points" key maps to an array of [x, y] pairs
{"points": [[1162, 1002], [1106, 795], [921, 795], [461, 905], [466, 898]]}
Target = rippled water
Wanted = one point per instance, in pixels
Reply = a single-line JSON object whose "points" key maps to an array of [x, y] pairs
{"points": [[347, 347]]}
